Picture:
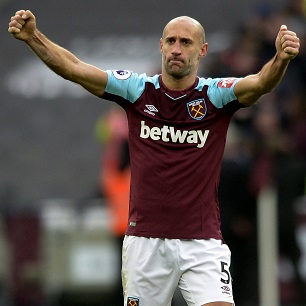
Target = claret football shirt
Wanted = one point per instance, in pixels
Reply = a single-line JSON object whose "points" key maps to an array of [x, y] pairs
{"points": [[176, 142]]}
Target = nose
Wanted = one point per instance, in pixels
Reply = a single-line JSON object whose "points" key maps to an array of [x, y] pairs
{"points": [[176, 50]]}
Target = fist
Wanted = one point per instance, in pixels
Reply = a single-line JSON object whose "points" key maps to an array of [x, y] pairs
{"points": [[22, 25], [287, 44]]}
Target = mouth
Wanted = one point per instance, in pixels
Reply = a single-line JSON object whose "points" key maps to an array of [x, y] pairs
{"points": [[175, 61]]}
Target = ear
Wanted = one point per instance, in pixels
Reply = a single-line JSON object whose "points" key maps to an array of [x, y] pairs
{"points": [[204, 50], [161, 45]]}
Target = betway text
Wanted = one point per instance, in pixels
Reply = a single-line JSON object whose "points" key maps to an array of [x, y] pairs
{"points": [[168, 133]]}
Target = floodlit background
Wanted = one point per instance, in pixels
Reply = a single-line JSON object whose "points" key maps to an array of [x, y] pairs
{"points": [[58, 245]]}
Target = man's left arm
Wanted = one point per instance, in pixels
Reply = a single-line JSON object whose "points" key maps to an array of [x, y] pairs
{"points": [[249, 89]]}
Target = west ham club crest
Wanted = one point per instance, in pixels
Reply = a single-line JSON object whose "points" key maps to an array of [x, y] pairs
{"points": [[197, 109], [132, 301]]}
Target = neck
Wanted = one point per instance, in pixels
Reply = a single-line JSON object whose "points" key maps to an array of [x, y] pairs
{"points": [[173, 83]]}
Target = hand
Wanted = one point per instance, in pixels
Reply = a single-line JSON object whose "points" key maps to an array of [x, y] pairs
{"points": [[22, 25], [287, 44]]}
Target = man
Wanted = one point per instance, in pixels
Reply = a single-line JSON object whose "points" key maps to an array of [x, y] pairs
{"points": [[177, 129]]}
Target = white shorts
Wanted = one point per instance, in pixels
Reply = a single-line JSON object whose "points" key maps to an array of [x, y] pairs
{"points": [[153, 268]]}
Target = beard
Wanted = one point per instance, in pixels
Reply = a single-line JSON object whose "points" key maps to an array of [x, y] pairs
{"points": [[178, 71]]}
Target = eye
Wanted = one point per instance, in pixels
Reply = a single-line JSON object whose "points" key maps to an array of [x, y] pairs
{"points": [[186, 41], [170, 40]]}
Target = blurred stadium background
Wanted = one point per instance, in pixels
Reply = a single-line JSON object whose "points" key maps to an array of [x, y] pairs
{"points": [[56, 243]]}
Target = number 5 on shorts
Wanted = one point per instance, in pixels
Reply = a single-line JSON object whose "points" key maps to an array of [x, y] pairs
{"points": [[226, 272]]}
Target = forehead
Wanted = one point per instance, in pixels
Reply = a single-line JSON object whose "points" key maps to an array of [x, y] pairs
{"points": [[181, 28]]}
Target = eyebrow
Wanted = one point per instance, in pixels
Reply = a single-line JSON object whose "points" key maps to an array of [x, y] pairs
{"points": [[189, 39]]}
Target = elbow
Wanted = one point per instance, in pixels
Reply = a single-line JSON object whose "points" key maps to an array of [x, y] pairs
{"points": [[251, 97]]}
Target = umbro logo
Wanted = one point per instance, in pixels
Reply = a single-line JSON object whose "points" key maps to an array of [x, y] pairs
{"points": [[151, 109], [226, 290]]}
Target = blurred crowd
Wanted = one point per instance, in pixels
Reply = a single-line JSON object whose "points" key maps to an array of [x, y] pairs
{"points": [[266, 147]]}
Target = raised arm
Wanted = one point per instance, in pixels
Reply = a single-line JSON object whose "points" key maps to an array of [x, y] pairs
{"points": [[252, 87], [61, 61]]}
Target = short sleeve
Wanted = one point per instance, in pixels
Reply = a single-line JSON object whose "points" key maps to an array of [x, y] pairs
{"points": [[221, 91], [126, 84]]}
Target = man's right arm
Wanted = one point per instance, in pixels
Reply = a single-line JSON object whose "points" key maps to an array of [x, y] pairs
{"points": [[58, 59], [252, 87]]}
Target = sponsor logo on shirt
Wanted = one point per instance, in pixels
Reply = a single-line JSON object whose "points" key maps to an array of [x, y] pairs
{"points": [[151, 109], [122, 74], [227, 82], [197, 109], [132, 301], [170, 134]]}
